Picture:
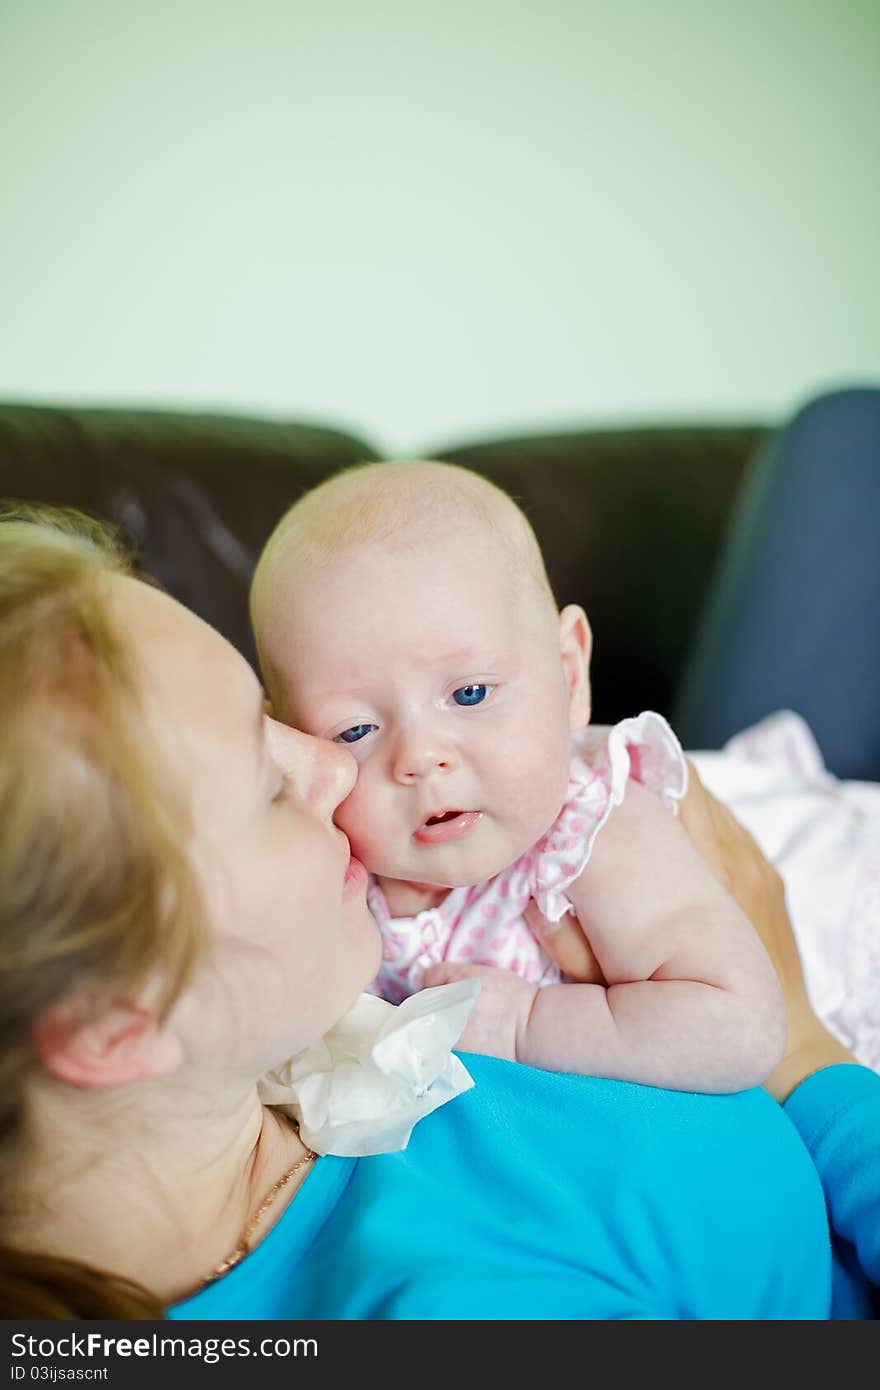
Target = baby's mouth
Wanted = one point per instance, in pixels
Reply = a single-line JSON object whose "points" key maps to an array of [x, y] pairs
{"points": [[441, 820], [449, 825]]}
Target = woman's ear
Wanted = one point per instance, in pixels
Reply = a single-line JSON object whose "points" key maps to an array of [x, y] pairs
{"points": [[575, 645], [93, 1042]]}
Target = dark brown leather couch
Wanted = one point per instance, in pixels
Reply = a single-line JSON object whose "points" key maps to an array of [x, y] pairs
{"points": [[630, 520]]}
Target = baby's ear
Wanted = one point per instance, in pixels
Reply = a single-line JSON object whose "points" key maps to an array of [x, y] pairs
{"points": [[575, 645]]}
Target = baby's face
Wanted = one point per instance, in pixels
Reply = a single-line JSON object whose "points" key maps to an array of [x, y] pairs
{"points": [[440, 669]]}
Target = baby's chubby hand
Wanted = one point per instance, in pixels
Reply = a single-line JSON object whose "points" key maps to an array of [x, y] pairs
{"points": [[499, 1019]]}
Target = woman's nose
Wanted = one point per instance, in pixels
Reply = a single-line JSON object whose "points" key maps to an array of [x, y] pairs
{"points": [[418, 755], [322, 772]]}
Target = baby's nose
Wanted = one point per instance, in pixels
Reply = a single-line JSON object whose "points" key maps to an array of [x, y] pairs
{"points": [[415, 758]]}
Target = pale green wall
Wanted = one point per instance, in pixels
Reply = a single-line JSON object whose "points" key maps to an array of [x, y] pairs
{"points": [[440, 221]]}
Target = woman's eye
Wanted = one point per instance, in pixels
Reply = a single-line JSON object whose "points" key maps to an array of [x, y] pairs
{"points": [[354, 734], [470, 694]]}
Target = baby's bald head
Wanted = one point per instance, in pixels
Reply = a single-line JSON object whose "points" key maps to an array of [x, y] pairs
{"points": [[403, 610], [393, 506]]}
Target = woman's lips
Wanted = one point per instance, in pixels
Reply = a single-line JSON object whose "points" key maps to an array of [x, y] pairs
{"points": [[355, 878], [456, 825]]}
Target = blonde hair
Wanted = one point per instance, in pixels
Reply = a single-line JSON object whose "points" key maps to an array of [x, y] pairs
{"points": [[95, 884]]}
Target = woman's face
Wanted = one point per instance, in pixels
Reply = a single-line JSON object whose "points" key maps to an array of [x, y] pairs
{"points": [[291, 941]]}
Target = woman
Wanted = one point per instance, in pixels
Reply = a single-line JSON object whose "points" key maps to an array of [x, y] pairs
{"points": [[178, 913]]}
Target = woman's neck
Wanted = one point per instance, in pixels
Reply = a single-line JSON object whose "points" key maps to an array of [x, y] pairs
{"points": [[160, 1194]]}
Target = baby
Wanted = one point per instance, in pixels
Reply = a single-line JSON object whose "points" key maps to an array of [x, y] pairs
{"points": [[403, 610]]}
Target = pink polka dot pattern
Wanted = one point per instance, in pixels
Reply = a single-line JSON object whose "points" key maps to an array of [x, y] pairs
{"points": [[458, 929]]}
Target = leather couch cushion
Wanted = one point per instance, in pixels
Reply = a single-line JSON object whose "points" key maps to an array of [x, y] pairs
{"points": [[197, 494], [630, 521]]}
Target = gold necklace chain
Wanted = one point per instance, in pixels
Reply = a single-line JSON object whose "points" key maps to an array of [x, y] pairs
{"points": [[243, 1246]]}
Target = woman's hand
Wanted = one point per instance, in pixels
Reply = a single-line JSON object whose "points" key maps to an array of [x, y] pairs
{"points": [[566, 944], [758, 889]]}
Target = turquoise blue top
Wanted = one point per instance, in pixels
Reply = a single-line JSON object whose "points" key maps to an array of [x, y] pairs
{"points": [[538, 1195]]}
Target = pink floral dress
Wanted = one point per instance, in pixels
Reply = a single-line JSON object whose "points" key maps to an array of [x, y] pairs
{"points": [[483, 924]]}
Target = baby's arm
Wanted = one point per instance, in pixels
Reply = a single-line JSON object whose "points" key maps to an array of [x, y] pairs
{"points": [[692, 1000]]}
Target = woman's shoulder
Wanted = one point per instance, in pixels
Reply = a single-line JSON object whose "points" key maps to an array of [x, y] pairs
{"points": [[542, 1195], [664, 1187]]}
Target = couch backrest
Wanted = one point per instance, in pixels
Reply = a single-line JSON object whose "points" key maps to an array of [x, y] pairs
{"points": [[630, 520], [197, 494]]}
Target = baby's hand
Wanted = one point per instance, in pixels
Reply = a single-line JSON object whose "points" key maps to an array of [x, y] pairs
{"points": [[500, 1017]]}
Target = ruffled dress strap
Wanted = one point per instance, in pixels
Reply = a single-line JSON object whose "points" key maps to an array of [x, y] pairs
{"points": [[644, 748]]}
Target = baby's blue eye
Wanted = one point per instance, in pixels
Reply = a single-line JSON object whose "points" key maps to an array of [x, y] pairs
{"points": [[353, 735], [470, 694]]}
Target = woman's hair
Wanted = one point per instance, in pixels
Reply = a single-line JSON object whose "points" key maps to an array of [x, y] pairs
{"points": [[95, 883]]}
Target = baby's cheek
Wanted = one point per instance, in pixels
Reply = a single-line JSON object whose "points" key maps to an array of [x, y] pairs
{"points": [[359, 818], [537, 787]]}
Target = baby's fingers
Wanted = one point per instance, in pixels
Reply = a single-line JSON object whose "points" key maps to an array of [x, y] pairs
{"points": [[447, 972], [500, 1012]]}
